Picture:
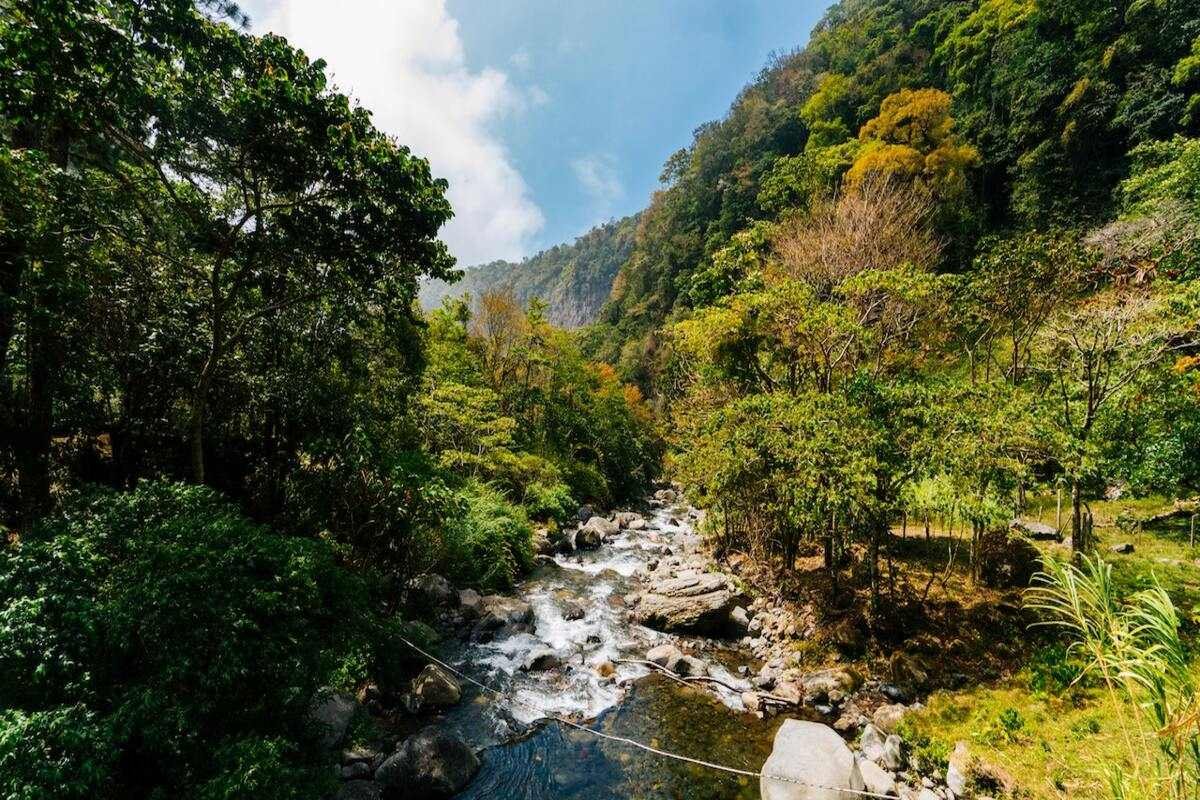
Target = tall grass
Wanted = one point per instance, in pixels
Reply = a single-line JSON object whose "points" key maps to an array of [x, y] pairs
{"points": [[1132, 645]]}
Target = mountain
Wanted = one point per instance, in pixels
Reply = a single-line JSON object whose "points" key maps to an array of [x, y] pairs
{"points": [[573, 279]]}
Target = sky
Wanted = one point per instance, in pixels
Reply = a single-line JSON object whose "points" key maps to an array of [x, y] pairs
{"points": [[547, 117]]}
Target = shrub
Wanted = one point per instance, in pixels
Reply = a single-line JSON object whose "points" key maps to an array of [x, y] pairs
{"points": [[488, 541], [552, 501], [140, 631]]}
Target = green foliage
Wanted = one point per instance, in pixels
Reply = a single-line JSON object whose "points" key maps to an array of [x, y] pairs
{"points": [[487, 541], [140, 629], [1133, 646], [549, 502]]}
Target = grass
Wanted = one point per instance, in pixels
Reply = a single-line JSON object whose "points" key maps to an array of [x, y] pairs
{"points": [[1053, 745], [1055, 739]]}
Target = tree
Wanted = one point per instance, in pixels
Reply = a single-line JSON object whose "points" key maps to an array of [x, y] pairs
{"points": [[1090, 352], [913, 140]]}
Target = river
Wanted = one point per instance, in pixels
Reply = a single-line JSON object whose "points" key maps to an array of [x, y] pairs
{"points": [[526, 756]]}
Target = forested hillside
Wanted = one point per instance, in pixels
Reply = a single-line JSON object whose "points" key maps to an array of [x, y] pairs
{"points": [[1054, 105], [574, 280]]}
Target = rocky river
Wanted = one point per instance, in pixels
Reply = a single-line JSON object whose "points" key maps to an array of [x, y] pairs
{"points": [[626, 627]]}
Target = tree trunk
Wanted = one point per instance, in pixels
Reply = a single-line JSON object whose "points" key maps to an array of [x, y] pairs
{"points": [[1078, 545]]}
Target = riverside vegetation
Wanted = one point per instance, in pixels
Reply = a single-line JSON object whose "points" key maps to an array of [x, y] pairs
{"points": [[916, 324]]}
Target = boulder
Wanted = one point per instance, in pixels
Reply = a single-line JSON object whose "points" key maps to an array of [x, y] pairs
{"points": [[665, 655], [958, 768], [1124, 548], [877, 779], [584, 513], [359, 790], [429, 764], [739, 619], [470, 603], [697, 604], [665, 496], [329, 715], [828, 684], [871, 743], [624, 518], [542, 659], [604, 528], [509, 609], [638, 524], [436, 688], [359, 770], [893, 752], [432, 591], [887, 717], [573, 611], [606, 669], [1038, 531], [815, 755]]}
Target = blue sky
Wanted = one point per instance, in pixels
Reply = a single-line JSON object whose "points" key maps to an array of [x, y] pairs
{"points": [[546, 116]]}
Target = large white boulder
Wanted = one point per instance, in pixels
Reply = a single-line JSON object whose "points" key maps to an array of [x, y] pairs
{"points": [[816, 759]]}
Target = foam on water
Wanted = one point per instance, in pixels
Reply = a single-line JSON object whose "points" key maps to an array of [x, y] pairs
{"points": [[605, 633]]}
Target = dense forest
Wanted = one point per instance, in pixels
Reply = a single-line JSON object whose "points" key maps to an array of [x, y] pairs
{"points": [[934, 269], [573, 280]]}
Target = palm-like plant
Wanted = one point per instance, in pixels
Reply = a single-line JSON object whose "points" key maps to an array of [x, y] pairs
{"points": [[1133, 646]]}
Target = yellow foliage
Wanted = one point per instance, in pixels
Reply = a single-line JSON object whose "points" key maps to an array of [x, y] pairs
{"points": [[913, 139]]}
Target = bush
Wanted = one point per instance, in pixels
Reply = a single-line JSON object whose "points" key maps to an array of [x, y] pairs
{"points": [[552, 501], [140, 632], [488, 542]]}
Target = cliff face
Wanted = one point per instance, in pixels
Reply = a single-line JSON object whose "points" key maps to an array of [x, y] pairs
{"points": [[574, 279]]}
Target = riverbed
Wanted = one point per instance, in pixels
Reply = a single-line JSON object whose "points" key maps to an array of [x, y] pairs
{"points": [[527, 754]]}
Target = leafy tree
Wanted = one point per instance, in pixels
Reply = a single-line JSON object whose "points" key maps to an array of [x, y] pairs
{"points": [[141, 630]]}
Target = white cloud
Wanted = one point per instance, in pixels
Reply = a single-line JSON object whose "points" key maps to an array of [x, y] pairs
{"points": [[404, 60], [538, 96], [598, 175]]}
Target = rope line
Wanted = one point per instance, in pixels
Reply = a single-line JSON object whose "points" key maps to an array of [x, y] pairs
{"points": [[640, 745]]}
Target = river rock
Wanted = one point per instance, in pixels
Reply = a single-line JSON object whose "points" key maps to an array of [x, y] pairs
{"points": [[601, 527], [812, 753], [877, 779], [470, 603], [509, 609], [573, 611], [542, 659], [638, 524], [690, 604], [665, 655], [624, 518], [739, 618], [887, 717], [436, 688], [329, 715], [360, 790], [543, 543], [828, 684], [958, 768], [429, 764], [665, 496], [432, 591], [871, 743]]}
